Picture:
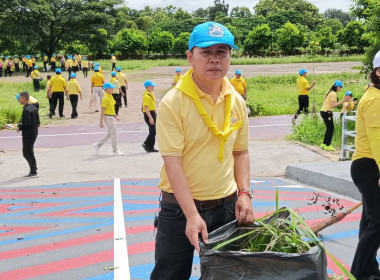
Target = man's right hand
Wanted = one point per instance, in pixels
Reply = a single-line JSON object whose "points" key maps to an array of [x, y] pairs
{"points": [[195, 225], [151, 121]]}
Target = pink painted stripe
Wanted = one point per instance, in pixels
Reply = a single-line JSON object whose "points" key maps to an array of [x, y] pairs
{"points": [[71, 211], [18, 230], [57, 195], [141, 248], [142, 193], [335, 268], [138, 187], [58, 190]]}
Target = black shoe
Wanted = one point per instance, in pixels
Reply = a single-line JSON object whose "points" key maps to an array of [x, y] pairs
{"points": [[153, 150], [126, 106], [50, 116], [62, 116], [32, 175], [145, 148], [96, 111]]}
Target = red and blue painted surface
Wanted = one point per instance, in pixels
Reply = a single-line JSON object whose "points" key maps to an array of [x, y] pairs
{"points": [[66, 231]]}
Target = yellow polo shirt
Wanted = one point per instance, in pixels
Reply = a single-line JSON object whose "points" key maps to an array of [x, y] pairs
{"points": [[69, 63], [121, 78], [97, 79], [74, 63], [149, 100], [45, 58], [326, 105], [108, 103], [115, 82], [182, 132], [176, 78], [348, 106], [57, 83], [100, 70], [85, 63], [113, 59], [30, 63], [15, 60], [73, 87], [52, 59], [239, 84], [303, 84], [35, 74], [367, 141], [79, 58]]}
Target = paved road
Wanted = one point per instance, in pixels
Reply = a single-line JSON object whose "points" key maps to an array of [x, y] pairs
{"points": [[68, 231]]}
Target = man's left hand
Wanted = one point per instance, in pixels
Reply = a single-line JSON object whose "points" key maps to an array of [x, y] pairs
{"points": [[244, 210]]}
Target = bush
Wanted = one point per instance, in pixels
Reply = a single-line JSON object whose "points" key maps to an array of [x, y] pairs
{"points": [[256, 108]]}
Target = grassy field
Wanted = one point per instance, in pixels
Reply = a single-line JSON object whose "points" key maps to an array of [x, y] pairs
{"points": [[278, 95]]}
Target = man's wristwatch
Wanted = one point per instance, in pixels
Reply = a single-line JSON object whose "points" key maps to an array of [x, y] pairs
{"points": [[246, 192]]}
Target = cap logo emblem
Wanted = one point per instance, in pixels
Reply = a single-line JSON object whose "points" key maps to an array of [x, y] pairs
{"points": [[215, 31]]}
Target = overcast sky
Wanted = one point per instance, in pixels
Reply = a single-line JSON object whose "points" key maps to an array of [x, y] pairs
{"points": [[192, 5]]}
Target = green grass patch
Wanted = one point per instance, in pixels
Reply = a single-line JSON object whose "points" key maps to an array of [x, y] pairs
{"points": [[278, 95], [10, 109]]}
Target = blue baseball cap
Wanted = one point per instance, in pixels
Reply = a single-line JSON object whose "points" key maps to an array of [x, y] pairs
{"points": [[111, 54], [113, 73], [108, 85], [149, 83], [44, 54], [338, 84], [28, 56], [97, 64], [6, 57], [211, 33], [58, 71], [84, 58], [348, 92], [53, 54], [36, 67], [178, 70], [74, 58], [302, 71], [238, 72], [73, 75], [118, 69], [96, 68], [18, 96]]}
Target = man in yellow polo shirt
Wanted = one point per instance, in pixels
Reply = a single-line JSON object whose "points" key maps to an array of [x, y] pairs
{"points": [[203, 136], [113, 61], [239, 84], [120, 76], [149, 110], [97, 81], [45, 60], [57, 90], [177, 76], [303, 95], [36, 77], [53, 62], [108, 117], [73, 92]]}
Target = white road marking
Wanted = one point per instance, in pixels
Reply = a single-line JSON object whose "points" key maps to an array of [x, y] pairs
{"points": [[292, 187], [256, 182], [120, 249], [270, 125]]}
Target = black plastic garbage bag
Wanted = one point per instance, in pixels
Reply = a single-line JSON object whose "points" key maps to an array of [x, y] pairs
{"points": [[229, 263]]}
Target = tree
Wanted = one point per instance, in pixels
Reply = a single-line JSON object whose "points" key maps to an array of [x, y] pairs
{"points": [[181, 43], [240, 12], [219, 7], [130, 42], [334, 24], [289, 38], [276, 20], [338, 14], [160, 42], [325, 38], [258, 40], [352, 35]]}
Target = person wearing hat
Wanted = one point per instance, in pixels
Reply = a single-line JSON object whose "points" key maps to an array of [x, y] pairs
{"points": [[52, 62], [113, 61], [239, 84], [1, 67], [203, 136], [36, 77], [73, 92], [30, 66], [349, 105], [69, 65], [122, 78], [84, 66], [109, 118], [149, 110], [100, 68], [330, 102], [29, 123], [45, 60], [177, 76], [303, 95], [78, 58], [75, 64], [97, 82], [23, 59], [8, 65], [116, 91], [366, 176], [16, 62], [34, 59], [57, 90]]}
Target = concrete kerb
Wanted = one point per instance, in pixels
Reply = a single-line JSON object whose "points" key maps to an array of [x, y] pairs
{"points": [[331, 176]]}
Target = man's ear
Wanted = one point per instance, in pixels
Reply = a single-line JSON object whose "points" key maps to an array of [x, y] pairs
{"points": [[189, 56]]}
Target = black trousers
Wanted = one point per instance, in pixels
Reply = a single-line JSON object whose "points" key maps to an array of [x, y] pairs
{"points": [[8, 71], [113, 66], [329, 122], [75, 69], [17, 67], [55, 97], [52, 66], [45, 63], [23, 67], [365, 174], [116, 97], [151, 139], [28, 152], [85, 71], [69, 71], [28, 71], [303, 103], [124, 90], [1, 71], [74, 104], [36, 84]]}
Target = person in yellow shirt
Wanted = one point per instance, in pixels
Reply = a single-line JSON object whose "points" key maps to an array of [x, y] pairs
{"points": [[57, 90], [52, 62], [239, 84], [74, 91], [8, 65], [1, 67], [122, 78], [113, 61], [75, 65], [45, 59], [48, 94], [349, 105], [36, 77], [303, 95], [330, 102], [23, 59], [203, 137], [109, 118], [117, 93], [97, 81], [100, 68], [34, 59], [69, 65], [28, 65], [16, 62], [366, 176], [177, 76], [78, 58], [85, 67], [149, 110]]}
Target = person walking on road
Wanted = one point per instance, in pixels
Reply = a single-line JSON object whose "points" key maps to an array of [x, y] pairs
{"points": [[203, 134], [117, 93], [52, 62], [109, 118], [30, 120], [329, 103], [74, 91], [16, 62], [85, 67], [149, 110], [239, 84], [303, 95], [36, 77], [120, 76], [45, 60], [366, 176], [57, 89], [113, 61], [97, 82], [176, 77]]}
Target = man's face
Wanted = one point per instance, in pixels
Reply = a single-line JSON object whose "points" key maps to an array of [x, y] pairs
{"points": [[210, 63], [22, 100], [109, 90], [178, 73], [238, 76], [150, 88]]}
